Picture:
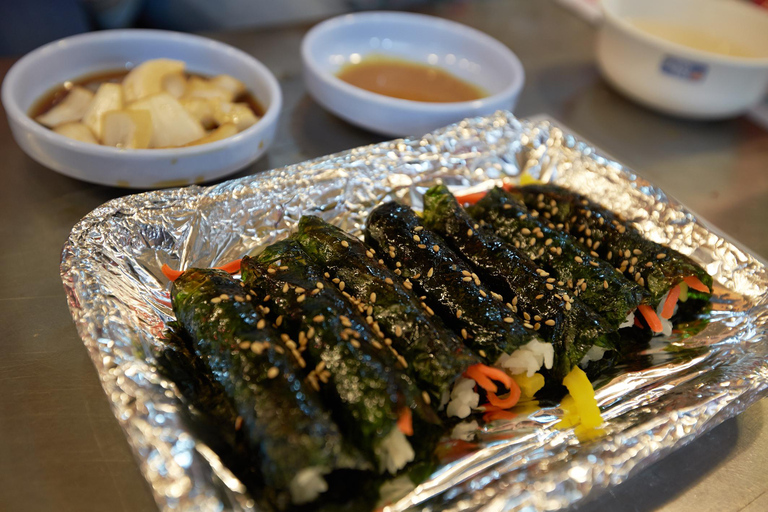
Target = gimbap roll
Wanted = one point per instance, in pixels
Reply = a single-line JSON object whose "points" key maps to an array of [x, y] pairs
{"points": [[665, 273], [593, 280], [453, 291], [373, 401], [436, 356], [539, 299], [282, 417]]}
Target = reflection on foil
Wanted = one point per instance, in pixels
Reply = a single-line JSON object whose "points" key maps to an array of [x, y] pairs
{"points": [[712, 368]]}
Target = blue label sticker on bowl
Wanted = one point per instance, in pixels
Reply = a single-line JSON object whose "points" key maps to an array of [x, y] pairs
{"points": [[684, 68]]}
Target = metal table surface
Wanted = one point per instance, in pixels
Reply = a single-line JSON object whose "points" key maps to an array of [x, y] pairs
{"points": [[61, 448]]}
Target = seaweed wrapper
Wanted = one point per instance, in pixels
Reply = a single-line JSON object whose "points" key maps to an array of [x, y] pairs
{"points": [[119, 301]]}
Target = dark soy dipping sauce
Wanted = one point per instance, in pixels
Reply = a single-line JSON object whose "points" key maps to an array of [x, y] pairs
{"points": [[92, 82]]}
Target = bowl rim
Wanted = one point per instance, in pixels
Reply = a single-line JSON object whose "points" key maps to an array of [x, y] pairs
{"points": [[621, 22], [332, 24], [14, 111]]}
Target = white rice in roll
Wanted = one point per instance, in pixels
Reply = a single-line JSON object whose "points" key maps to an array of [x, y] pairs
{"points": [[463, 398], [529, 358], [394, 452], [307, 485], [593, 354]]}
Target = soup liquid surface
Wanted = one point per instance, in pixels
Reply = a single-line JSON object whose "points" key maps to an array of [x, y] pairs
{"points": [[692, 38], [408, 80]]}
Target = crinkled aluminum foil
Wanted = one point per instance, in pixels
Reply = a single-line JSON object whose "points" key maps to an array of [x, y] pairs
{"points": [[675, 390]]}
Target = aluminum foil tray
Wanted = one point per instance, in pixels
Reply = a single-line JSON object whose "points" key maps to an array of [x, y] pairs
{"points": [[673, 391]]}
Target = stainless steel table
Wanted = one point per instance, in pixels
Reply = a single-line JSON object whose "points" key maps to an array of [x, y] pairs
{"points": [[60, 447]]}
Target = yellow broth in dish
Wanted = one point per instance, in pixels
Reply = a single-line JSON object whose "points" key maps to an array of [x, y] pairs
{"points": [[407, 80], [692, 38]]}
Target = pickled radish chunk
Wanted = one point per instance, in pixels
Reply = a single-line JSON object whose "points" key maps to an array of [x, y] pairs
{"points": [[108, 97], [229, 83], [239, 114], [200, 88], [202, 110], [175, 84], [146, 79], [70, 110], [129, 129], [77, 131], [171, 125]]}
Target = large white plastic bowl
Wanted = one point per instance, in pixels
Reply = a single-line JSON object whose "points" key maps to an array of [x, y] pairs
{"points": [[679, 80], [72, 57], [463, 51]]}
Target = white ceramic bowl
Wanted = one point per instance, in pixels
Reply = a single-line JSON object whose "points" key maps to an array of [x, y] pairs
{"points": [[677, 79], [463, 51], [72, 57]]}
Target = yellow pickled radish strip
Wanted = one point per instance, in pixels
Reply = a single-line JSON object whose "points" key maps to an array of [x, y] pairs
{"points": [[527, 179], [527, 407], [570, 415], [587, 434], [529, 385], [568, 405], [683, 292], [583, 394], [568, 421]]}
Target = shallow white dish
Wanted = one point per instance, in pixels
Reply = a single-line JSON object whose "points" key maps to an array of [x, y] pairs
{"points": [[72, 57], [463, 51], [677, 79]]}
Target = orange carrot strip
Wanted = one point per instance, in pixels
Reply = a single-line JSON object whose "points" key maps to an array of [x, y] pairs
{"points": [[475, 373], [669, 304], [498, 415], [471, 198], [497, 375], [405, 422], [482, 374], [506, 403], [476, 196], [171, 274], [233, 267], [650, 317], [695, 283]]}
